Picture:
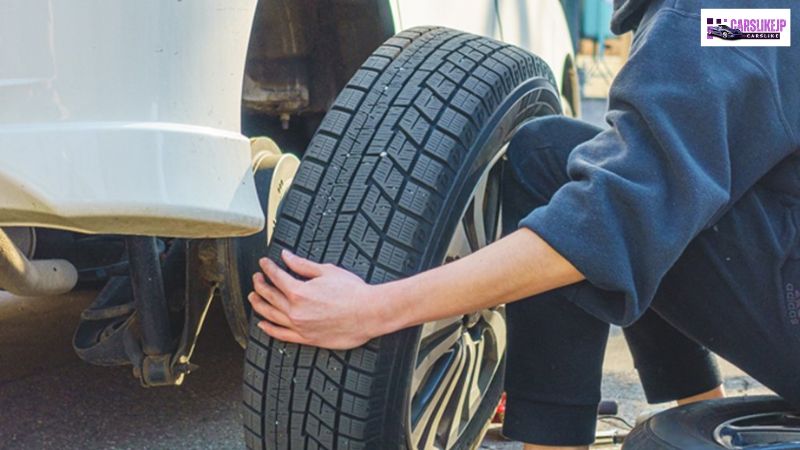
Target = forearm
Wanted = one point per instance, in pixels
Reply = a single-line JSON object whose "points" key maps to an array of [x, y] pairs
{"points": [[515, 267]]}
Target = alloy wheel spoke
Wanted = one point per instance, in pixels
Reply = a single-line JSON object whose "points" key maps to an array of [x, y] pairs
{"points": [[449, 417], [434, 328], [464, 397], [475, 220], [496, 324], [460, 244], [427, 425], [474, 391], [443, 335]]}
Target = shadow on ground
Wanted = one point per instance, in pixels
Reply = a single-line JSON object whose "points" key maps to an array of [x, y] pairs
{"points": [[49, 399]]}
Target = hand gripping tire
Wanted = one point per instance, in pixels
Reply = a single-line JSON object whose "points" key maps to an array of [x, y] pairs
{"points": [[402, 175]]}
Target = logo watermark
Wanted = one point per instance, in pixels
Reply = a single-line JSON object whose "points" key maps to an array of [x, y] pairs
{"points": [[745, 27]]}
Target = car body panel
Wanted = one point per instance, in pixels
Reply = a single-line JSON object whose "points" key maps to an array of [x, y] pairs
{"points": [[539, 26], [122, 116]]}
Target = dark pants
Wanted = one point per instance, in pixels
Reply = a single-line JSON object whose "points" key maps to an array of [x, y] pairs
{"points": [[733, 291]]}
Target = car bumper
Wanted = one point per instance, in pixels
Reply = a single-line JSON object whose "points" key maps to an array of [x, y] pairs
{"points": [[128, 178], [122, 117]]}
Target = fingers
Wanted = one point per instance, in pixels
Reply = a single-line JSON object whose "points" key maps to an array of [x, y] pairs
{"points": [[281, 333], [269, 293], [282, 280], [302, 266], [267, 311]]}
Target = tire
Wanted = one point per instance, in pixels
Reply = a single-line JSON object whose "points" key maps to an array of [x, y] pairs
{"points": [[693, 426], [387, 181]]}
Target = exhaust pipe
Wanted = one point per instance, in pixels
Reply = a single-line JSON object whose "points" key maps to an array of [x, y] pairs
{"points": [[26, 278]]}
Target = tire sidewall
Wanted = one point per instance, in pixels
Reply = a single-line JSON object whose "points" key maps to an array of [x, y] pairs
{"points": [[692, 426]]}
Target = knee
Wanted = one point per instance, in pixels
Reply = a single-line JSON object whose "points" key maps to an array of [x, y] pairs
{"points": [[538, 153], [542, 142]]}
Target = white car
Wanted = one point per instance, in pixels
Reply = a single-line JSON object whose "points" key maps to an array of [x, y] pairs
{"points": [[170, 129]]}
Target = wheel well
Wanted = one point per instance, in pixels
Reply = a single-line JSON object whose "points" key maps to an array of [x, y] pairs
{"points": [[301, 53]]}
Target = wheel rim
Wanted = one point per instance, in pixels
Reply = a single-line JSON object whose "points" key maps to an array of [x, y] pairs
{"points": [[458, 358], [778, 430]]}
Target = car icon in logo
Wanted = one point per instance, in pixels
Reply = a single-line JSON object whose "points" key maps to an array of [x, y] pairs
{"points": [[725, 32]]}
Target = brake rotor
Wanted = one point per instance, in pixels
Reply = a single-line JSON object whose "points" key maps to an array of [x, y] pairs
{"points": [[273, 172], [282, 177]]}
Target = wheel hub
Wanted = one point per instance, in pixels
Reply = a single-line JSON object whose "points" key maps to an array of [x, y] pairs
{"points": [[779, 430], [470, 320]]}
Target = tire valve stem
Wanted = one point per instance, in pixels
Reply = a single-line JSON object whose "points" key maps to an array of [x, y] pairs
{"points": [[285, 121]]}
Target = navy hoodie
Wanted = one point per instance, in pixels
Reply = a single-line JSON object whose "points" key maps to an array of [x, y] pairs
{"points": [[692, 129]]}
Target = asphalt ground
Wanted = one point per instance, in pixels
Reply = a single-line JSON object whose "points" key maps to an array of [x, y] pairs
{"points": [[49, 399]]}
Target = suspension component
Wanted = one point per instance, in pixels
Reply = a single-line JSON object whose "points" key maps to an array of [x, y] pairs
{"points": [[27, 278]]}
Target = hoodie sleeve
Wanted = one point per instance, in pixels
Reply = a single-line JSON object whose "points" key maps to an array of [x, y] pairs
{"points": [[692, 128]]}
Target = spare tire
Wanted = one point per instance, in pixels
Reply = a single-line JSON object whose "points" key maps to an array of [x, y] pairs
{"points": [[763, 422], [402, 175]]}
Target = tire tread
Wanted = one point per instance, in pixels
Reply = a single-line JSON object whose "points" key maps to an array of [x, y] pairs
{"points": [[372, 179]]}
